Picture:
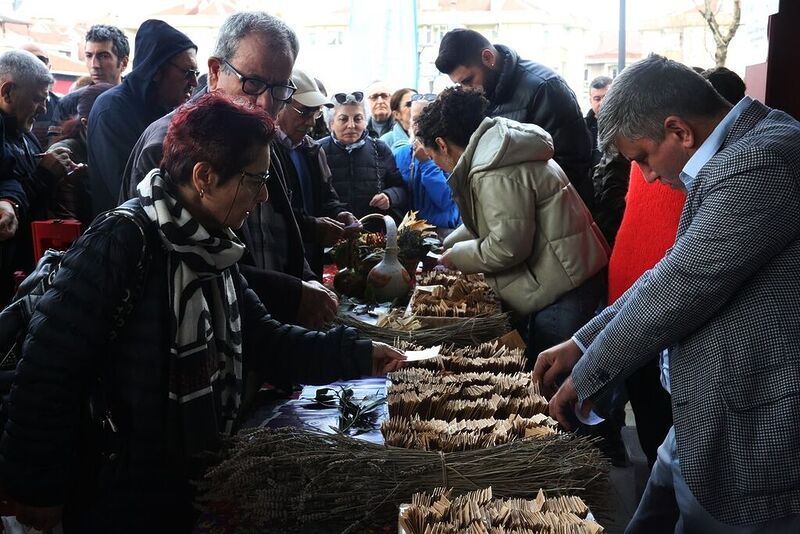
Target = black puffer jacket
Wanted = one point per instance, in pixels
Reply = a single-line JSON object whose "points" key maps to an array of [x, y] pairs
{"points": [[359, 175], [144, 488], [532, 93]]}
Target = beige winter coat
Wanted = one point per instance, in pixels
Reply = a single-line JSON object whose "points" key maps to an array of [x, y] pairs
{"points": [[524, 224]]}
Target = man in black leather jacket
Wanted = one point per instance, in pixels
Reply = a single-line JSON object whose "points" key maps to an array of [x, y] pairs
{"points": [[524, 91]]}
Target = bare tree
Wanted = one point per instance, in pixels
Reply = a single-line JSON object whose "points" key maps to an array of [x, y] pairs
{"points": [[721, 38]]}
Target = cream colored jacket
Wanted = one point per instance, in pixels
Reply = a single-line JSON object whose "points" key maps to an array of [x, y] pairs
{"points": [[524, 224]]}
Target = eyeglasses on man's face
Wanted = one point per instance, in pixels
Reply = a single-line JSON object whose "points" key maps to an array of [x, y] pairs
{"points": [[255, 86], [344, 98], [189, 74], [376, 96], [429, 97], [308, 113]]}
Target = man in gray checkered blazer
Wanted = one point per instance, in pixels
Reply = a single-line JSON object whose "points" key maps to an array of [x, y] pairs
{"points": [[723, 306]]}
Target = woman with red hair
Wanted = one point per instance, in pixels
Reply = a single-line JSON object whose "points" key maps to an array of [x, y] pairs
{"points": [[172, 378]]}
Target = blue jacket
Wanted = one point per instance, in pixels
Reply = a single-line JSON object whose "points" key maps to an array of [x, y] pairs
{"points": [[121, 114], [430, 194], [396, 137]]}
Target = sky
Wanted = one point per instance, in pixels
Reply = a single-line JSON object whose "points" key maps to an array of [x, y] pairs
{"points": [[605, 12]]}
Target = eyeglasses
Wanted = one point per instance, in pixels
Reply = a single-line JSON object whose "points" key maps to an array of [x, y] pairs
{"points": [[354, 97], [189, 74], [44, 59], [376, 96], [261, 177], [308, 113], [256, 86]]}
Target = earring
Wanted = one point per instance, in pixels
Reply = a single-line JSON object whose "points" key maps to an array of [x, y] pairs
{"points": [[202, 192]]}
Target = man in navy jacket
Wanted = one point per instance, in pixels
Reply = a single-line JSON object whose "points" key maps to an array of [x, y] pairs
{"points": [[163, 76]]}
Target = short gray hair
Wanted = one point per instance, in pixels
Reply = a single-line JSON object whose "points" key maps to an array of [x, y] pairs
{"points": [[649, 91], [279, 36], [24, 69], [330, 113]]}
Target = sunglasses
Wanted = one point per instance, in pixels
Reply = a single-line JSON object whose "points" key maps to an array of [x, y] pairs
{"points": [[429, 97], [354, 97], [188, 74], [376, 96], [308, 112], [256, 86], [44, 59]]}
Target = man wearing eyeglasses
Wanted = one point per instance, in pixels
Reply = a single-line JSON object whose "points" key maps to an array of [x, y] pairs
{"points": [[324, 218], [380, 112], [253, 60], [164, 74]]}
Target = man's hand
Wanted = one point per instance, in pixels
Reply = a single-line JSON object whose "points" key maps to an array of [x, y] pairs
{"points": [[317, 305], [329, 231], [562, 405], [40, 518], [555, 364], [447, 261], [352, 226], [385, 358], [8, 220], [380, 201], [58, 162], [419, 152]]}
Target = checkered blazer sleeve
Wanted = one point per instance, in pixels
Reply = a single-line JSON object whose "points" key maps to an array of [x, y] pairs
{"points": [[740, 213], [590, 330]]}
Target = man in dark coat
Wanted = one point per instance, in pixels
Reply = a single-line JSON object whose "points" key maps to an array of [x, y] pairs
{"points": [[524, 91], [28, 176], [163, 76], [321, 215], [261, 49]]}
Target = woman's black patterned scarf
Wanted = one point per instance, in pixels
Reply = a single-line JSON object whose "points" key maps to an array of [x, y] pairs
{"points": [[205, 367]]}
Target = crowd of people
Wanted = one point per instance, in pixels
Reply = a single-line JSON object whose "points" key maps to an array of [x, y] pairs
{"points": [[652, 242]]}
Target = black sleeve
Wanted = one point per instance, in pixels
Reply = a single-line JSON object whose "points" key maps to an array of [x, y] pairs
{"points": [[144, 158], [307, 225], [38, 184], [289, 354], [610, 179], [61, 357], [555, 108], [279, 292]]}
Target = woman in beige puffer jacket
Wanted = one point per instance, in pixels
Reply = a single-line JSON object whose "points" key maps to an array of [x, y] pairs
{"points": [[524, 224]]}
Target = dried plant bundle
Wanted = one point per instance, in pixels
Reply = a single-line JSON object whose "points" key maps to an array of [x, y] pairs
{"points": [[288, 478], [461, 332]]}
